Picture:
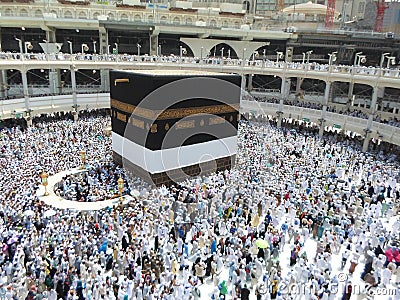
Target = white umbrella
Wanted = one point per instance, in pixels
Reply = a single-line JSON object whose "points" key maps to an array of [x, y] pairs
{"points": [[49, 213], [29, 213]]}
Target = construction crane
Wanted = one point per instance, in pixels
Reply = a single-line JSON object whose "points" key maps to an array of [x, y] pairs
{"points": [[330, 14], [380, 13], [280, 5]]}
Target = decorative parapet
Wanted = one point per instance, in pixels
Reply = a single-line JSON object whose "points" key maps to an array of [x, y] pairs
{"points": [[191, 17], [72, 2], [183, 10], [130, 6], [230, 14]]}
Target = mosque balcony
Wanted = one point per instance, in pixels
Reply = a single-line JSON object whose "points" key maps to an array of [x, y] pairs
{"points": [[361, 75], [384, 132], [55, 103], [374, 77], [50, 104]]}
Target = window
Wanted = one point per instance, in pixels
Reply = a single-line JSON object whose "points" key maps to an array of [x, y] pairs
{"points": [[68, 15], [82, 15], [38, 13], [8, 12], [176, 21], [361, 7], [163, 20], [23, 13]]}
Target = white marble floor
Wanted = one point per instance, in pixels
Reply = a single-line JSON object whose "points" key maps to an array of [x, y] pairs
{"points": [[58, 202]]}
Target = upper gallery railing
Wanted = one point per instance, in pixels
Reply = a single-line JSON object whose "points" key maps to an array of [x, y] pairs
{"points": [[256, 64]]}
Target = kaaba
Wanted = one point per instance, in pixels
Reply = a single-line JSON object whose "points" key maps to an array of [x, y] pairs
{"points": [[171, 125]]}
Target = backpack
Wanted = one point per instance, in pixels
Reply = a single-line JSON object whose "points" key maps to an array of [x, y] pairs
{"points": [[48, 282]]}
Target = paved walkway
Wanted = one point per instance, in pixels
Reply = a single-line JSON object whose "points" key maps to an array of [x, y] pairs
{"points": [[58, 202]]}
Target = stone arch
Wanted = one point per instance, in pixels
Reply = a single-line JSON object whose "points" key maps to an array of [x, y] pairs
{"points": [[68, 14], [23, 13], [213, 23], [150, 18], [111, 16], [54, 12], [95, 15], [241, 48], [38, 13], [189, 51], [189, 21], [237, 24], [201, 20], [163, 19], [177, 21], [137, 18], [223, 49], [82, 15], [124, 17], [8, 12], [247, 4], [261, 51], [225, 23]]}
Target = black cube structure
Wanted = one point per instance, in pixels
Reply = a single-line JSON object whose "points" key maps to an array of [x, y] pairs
{"points": [[170, 125]]}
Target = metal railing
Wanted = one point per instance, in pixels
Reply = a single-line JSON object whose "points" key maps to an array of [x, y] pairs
{"points": [[172, 59], [387, 132]]}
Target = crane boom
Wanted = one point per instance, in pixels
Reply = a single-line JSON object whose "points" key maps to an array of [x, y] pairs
{"points": [[330, 14], [380, 13]]}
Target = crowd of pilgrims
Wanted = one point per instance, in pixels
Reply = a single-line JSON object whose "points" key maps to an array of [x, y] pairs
{"points": [[296, 210], [98, 182]]}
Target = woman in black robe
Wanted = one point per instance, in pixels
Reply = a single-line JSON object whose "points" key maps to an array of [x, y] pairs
{"points": [[109, 262], [125, 243], [156, 243]]}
